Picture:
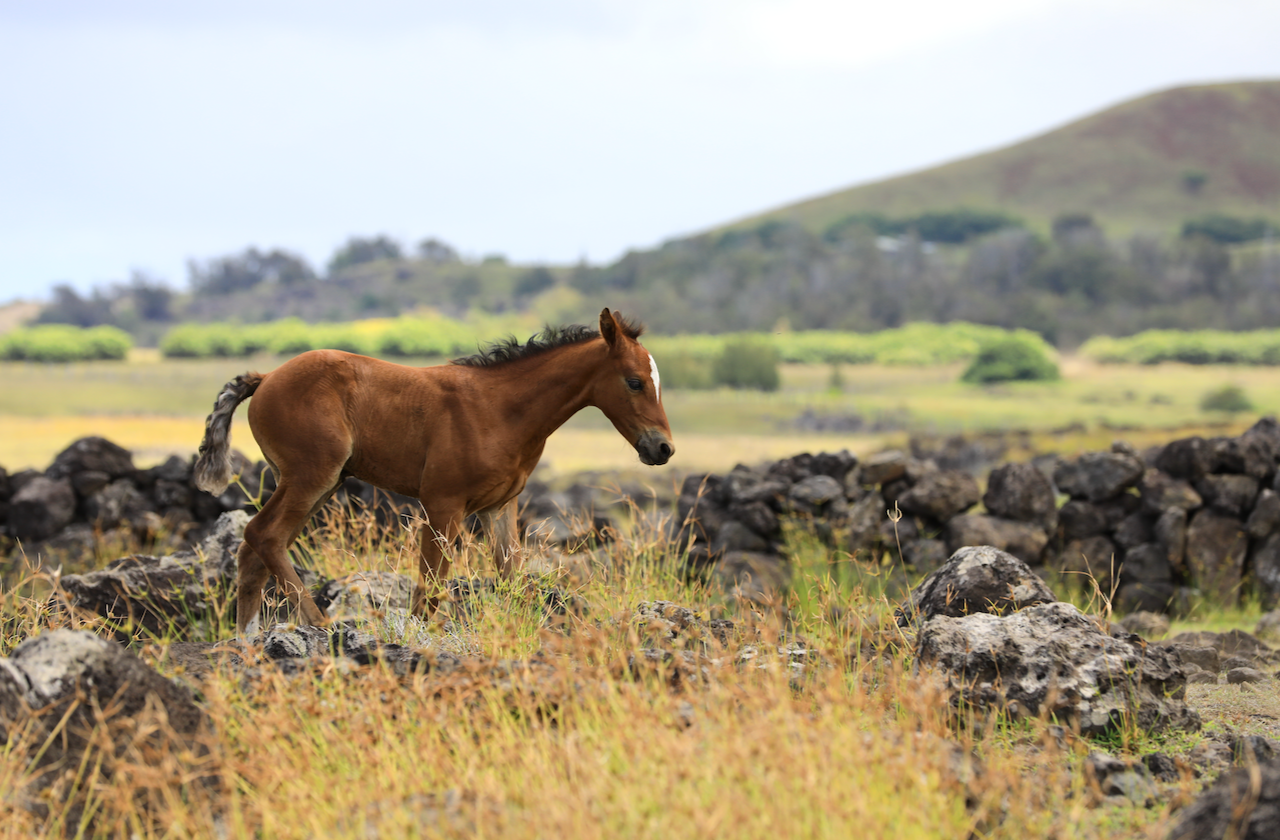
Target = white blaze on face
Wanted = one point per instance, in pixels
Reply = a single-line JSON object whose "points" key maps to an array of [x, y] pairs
{"points": [[653, 371]]}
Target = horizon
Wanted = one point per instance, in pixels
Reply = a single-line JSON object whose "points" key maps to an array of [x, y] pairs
{"points": [[284, 126]]}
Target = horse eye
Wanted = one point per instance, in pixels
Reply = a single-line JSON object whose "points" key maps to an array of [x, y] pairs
{"points": [[634, 384]]}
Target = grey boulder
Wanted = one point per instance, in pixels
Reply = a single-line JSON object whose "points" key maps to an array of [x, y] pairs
{"points": [[1052, 659]]}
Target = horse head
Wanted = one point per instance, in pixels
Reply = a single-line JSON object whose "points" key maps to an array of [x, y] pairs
{"points": [[629, 391]]}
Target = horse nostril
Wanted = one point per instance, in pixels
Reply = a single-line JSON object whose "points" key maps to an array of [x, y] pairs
{"points": [[665, 449]]}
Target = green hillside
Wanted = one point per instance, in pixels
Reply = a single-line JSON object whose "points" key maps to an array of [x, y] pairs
{"points": [[1144, 166]]}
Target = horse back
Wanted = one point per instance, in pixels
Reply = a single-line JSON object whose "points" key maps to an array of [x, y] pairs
{"points": [[327, 411]]}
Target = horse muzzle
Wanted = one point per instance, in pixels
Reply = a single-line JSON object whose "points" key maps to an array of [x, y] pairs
{"points": [[655, 448]]}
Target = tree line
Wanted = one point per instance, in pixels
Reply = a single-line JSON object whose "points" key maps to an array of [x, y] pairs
{"points": [[865, 272]]}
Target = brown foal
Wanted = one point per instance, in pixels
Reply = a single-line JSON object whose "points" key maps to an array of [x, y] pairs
{"points": [[462, 437]]}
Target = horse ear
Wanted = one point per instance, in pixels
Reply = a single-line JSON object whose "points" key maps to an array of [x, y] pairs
{"points": [[608, 327]]}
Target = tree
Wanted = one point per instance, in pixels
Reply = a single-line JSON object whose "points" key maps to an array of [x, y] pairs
{"points": [[238, 272], [152, 298], [961, 225], [360, 250], [533, 282], [1093, 273], [434, 251], [1228, 230], [68, 307]]}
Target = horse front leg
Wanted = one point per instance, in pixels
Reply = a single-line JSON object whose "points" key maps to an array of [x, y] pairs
{"points": [[435, 540], [251, 576], [504, 537]]}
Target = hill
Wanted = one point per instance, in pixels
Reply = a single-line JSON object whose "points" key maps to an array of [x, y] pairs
{"points": [[1143, 166]]}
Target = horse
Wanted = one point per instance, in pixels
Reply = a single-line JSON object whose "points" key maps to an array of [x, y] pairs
{"points": [[462, 437]]}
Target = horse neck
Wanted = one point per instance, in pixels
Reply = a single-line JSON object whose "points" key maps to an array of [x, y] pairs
{"points": [[541, 393]]}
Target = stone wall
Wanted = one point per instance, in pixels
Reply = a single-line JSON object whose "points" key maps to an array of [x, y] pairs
{"points": [[1156, 527], [93, 487], [1195, 515]]}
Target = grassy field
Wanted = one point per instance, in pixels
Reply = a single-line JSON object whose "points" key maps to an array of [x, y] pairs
{"points": [[157, 407], [582, 743]]}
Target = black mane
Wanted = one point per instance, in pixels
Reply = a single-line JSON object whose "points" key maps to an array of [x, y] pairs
{"points": [[510, 349]]}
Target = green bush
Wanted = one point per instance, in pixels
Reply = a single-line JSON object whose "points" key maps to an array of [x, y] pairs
{"points": [[932, 344], [411, 336], [219, 341], [63, 343], [747, 363], [106, 342], [227, 341], [701, 347], [825, 347], [1230, 399], [342, 337], [291, 336], [188, 341], [1009, 359], [1198, 347], [685, 370]]}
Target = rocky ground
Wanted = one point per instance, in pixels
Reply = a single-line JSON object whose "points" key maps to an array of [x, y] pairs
{"points": [[982, 630]]}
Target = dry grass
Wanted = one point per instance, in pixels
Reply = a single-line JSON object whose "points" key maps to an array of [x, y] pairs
{"points": [[833, 742]]}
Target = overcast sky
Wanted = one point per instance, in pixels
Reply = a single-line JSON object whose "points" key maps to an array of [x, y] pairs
{"points": [[137, 135]]}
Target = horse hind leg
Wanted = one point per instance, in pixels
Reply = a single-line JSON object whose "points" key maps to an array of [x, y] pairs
{"points": [[253, 574], [269, 535]]}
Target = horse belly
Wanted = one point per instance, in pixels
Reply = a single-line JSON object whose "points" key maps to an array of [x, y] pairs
{"points": [[389, 467]]}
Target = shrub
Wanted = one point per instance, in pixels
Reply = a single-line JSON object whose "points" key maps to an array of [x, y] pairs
{"points": [[1009, 359], [106, 342], [189, 341], [291, 336], [1198, 347], [931, 344], [747, 362], [701, 347], [226, 341], [341, 337], [685, 370], [63, 343], [1230, 399], [222, 341], [425, 337], [825, 347]]}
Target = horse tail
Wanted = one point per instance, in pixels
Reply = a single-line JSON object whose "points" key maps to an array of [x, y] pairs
{"points": [[213, 467]]}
